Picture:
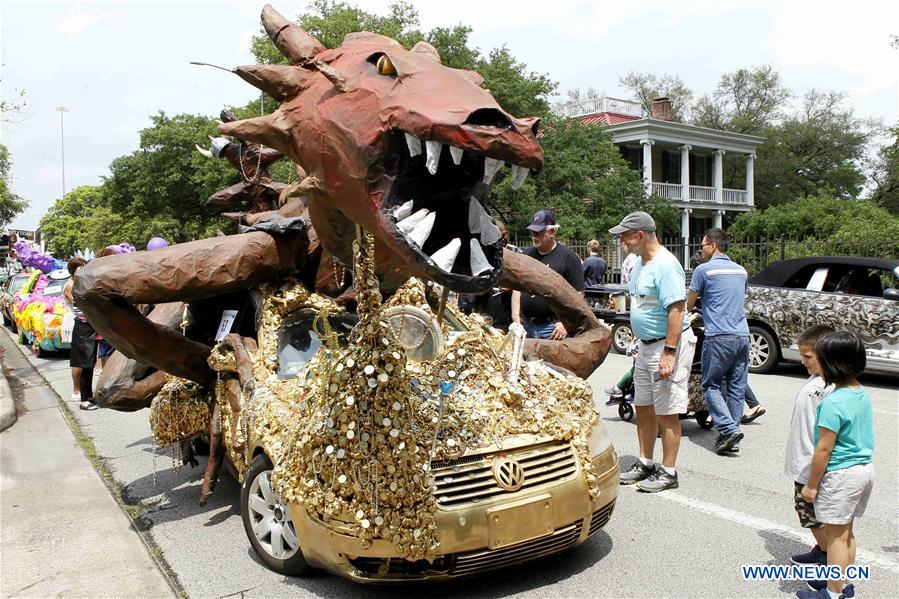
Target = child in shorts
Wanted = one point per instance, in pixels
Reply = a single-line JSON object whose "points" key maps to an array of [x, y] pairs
{"points": [[801, 442], [841, 475]]}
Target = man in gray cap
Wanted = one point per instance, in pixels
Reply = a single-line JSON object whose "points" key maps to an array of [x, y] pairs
{"points": [[658, 292]]}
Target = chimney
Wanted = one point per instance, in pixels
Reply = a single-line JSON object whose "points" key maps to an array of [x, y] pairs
{"points": [[661, 109]]}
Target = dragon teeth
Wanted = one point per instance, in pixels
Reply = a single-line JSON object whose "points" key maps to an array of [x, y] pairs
{"points": [[491, 167], [456, 153], [403, 211], [476, 214], [445, 257], [477, 260], [433, 158], [422, 230], [414, 144], [408, 224], [519, 174]]}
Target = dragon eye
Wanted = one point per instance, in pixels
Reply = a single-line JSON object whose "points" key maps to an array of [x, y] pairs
{"points": [[384, 66]]}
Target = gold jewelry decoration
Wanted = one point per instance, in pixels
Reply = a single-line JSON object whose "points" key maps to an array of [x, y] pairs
{"points": [[179, 411]]}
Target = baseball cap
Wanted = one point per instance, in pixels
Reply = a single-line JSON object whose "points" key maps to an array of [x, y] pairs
{"points": [[542, 219], [635, 221]]}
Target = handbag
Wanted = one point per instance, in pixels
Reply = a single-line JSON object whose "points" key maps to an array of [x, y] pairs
{"points": [[68, 323]]}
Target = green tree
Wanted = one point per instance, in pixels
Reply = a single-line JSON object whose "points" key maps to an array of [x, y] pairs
{"points": [[585, 182], [885, 174], [819, 150], [646, 87], [745, 101], [161, 188], [11, 204], [66, 226]]}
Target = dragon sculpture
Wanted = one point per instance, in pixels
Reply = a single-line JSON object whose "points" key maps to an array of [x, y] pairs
{"points": [[383, 138]]}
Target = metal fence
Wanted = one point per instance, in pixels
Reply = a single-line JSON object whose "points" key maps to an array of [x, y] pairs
{"points": [[754, 254]]}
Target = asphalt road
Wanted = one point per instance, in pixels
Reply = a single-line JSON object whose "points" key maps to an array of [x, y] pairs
{"points": [[728, 512]]}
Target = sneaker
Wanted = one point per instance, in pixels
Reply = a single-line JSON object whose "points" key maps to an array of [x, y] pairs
{"points": [[848, 592], [614, 391], [658, 481], [636, 473], [88, 405], [725, 442], [614, 400], [815, 556]]}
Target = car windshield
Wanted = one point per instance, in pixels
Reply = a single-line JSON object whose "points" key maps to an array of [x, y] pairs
{"points": [[298, 342], [17, 283]]}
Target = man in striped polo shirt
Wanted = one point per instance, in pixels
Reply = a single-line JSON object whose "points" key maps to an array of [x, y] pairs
{"points": [[722, 283]]}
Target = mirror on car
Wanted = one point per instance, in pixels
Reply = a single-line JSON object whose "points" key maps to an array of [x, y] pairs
{"points": [[891, 294]]}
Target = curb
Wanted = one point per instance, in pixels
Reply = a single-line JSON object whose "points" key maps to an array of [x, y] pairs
{"points": [[8, 414]]}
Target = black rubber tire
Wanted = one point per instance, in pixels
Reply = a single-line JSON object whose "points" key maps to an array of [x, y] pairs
{"points": [[41, 352], [622, 335], [6, 320], [702, 419], [625, 411], [293, 566], [764, 350]]}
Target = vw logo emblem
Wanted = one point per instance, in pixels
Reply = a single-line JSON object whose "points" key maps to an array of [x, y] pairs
{"points": [[509, 474]]}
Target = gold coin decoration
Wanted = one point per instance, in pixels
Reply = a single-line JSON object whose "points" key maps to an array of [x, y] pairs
{"points": [[354, 435], [179, 411]]}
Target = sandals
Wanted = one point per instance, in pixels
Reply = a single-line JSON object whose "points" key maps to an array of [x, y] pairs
{"points": [[88, 405], [746, 419]]}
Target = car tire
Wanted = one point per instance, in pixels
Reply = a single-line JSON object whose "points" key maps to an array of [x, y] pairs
{"points": [[622, 337], [267, 523], [764, 350], [6, 321]]}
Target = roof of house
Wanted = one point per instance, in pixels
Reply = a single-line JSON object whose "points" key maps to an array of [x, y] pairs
{"points": [[606, 118]]}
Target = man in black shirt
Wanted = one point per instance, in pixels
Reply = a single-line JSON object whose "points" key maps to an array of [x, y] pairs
{"points": [[594, 265], [531, 310]]}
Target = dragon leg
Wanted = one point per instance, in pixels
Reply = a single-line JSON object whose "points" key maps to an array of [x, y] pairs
{"points": [[216, 452], [107, 289], [589, 340]]}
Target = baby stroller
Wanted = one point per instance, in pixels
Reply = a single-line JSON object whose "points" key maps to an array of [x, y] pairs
{"points": [[696, 406]]}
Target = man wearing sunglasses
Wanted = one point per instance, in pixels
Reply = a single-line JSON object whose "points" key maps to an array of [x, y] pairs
{"points": [[658, 292]]}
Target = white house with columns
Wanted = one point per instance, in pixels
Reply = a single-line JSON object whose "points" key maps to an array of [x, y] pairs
{"points": [[708, 174]]}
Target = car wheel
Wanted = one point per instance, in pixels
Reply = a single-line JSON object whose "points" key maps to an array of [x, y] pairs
{"points": [[6, 320], [622, 337], [764, 351], [267, 522]]}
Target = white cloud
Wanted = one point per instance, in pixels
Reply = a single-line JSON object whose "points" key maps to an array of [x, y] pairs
{"points": [[78, 21]]}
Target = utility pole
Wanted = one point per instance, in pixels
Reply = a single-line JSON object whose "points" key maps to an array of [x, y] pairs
{"points": [[62, 141]]}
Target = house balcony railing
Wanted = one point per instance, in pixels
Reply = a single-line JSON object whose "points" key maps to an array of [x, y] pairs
{"points": [[701, 194], [602, 104]]}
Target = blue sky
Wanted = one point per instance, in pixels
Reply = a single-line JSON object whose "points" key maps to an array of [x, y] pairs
{"points": [[113, 64]]}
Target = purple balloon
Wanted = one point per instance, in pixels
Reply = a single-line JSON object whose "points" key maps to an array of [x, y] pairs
{"points": [[157, 243]]}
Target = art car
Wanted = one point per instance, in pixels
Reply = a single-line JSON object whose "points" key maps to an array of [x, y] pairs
{"points": [[40, 311]]}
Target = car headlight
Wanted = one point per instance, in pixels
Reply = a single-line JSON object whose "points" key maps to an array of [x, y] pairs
{"points": [[599, 441]]}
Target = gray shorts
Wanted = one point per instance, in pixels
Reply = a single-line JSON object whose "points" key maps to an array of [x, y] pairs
{"points": [[668, 396], [843, 494]]}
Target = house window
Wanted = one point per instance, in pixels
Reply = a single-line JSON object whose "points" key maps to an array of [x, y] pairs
{"points": [[633, 156], [700, 170], [670, 167]]}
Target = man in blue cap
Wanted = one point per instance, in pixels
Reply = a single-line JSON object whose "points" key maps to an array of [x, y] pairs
{"points": [[531, 310]]}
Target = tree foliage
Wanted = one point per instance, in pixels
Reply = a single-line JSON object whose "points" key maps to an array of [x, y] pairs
{"points": [[585, 182], [646, 87], [11, 204], [885, 174], [745, 101]]}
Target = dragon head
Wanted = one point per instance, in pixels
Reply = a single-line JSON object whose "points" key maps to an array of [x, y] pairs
{"points": [[392, 140]]}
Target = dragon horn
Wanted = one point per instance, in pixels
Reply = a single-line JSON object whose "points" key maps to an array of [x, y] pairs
{"points": [[279, 81], [266, 130], [203, 151], [294, 43]]}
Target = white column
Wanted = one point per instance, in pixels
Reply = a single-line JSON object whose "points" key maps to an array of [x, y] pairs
{"points": [[718, 219], [750, 179], [719, 176], [685, 172], [647, 165], [685, 234]]}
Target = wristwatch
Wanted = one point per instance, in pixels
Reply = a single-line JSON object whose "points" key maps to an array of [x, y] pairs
{"points": [[670, 350]]}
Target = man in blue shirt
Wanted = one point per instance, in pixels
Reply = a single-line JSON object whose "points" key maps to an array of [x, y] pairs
{"points": [[721, 283], [658, 290]]}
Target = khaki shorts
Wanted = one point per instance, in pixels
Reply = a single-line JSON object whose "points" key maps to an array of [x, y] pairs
{"points": [[843, 494], [804, 509], [668, 396]]}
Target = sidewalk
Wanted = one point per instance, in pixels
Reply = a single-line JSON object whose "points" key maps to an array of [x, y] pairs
{"points": [[62, 532]]}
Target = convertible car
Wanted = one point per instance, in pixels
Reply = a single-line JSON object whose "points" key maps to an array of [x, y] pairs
{"points": [[851, 293]]}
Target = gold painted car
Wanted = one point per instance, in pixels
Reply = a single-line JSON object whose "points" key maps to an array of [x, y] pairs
{"points": [[391, 447]]}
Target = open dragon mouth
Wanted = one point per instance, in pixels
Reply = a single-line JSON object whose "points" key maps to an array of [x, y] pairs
{"points": [[436, 204]]}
